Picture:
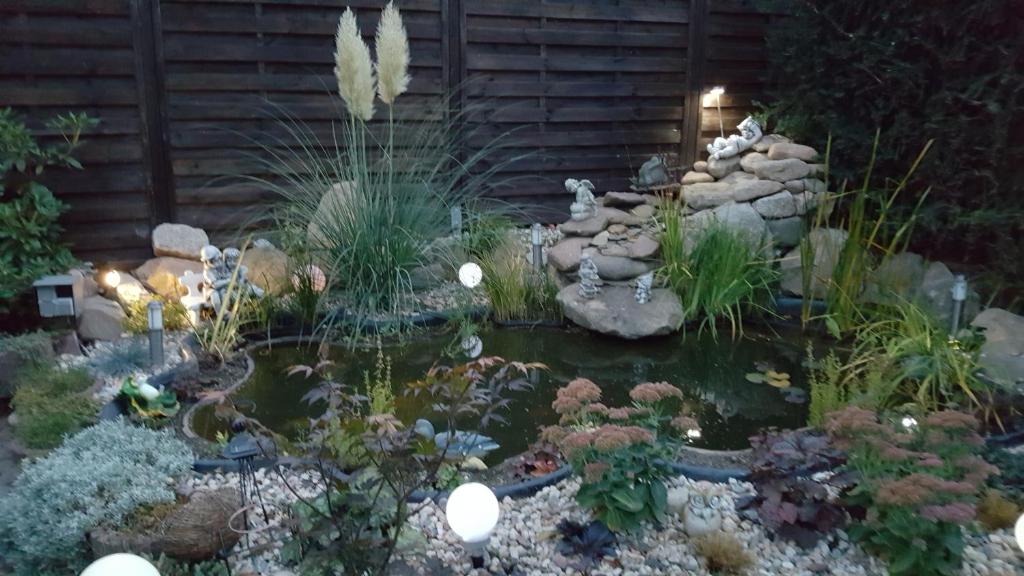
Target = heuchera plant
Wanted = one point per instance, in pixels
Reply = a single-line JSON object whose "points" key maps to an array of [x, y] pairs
{"points": [[789, 502], [918, 485], [620, 453]]}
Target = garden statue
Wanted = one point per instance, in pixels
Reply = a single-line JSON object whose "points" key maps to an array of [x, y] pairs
{"points": [[232, 260], [704, 509], [750, 133], [585, 205], [458, 444], [148, 402], [643, 288], [653, 173], [193, 300], [590, 281], [215, 277]]}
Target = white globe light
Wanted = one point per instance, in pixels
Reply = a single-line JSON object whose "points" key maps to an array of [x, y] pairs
{"points": [[120, 565], [693, 433], [472, 346], [470, 275], [112, 278], [909, 422], [1018, 531], [472, 512]]}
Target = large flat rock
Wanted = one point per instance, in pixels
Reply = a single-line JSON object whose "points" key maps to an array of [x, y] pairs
{"points": [[586, 227], [162, 274], [565, 256], [178, 240], [101, 319], [619, 267], [707, 195], [616, 312], [828, 245], [782, 170]]}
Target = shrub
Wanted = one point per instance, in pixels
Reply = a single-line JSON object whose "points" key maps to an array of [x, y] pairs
{"points": [[917, 485], [98, 476], [720, 277], [137, 321], [30, 244], [724, 554], [789, 501], [121, 358], [52, 403], [995, 512], [620, 454]]}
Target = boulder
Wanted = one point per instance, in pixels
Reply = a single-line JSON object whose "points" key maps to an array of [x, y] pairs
{"points": [[644, 211], [131, 290], [787, 232], [692, 177], [89, 285], [200, 529], [721, 168], [623, 199], [565, 256], [743, 219], [615, 311], [620, 267], [750, 160], [776, 206], [806, 202], [795, 186], [615, 250], [332, 204], [710, 195], [643, 247], [782, 170], [700, 166], [737, 177], [766, 142], [101, 319], [895, 279], [814, 185], [162, 274], [784, 150], [817, 171], [827, 244], [268, 269], [616, 216], [748, 190], [587, 227], [1002, 354], [178, 240]]}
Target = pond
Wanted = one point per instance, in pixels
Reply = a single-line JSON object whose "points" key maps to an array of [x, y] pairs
{"points": [[711, 374]]}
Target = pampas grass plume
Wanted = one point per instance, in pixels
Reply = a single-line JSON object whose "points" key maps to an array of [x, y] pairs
{"points": [[392, 55], [353, 68]]}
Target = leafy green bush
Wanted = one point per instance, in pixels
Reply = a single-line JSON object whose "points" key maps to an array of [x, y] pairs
{"points": [[51, 403], [848, 67], [621, 454], [30, 244], [98, 476], [721, 276], [919, 485]]}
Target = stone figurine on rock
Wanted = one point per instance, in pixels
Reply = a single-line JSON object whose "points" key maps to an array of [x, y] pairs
{"points": [[232, 260], [735, 144], [643, 288], [590, 280], [585, 204], [653, 173]]}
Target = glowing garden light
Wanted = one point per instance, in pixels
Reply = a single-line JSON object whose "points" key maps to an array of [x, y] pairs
{"points": [[121, 565], [959, 294], [909, 422], [470, 275], [537, 242], [112, 278], [472, 513], [1018, 532], [155, 318], [717, 92], [693, 434]]}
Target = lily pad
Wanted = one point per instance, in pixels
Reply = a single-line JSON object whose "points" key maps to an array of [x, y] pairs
{"points": [[777, 383], [772, 374], [755, 377]]}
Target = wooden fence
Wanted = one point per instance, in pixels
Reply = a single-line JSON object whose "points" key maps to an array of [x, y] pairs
{"points": [[187, 92]]}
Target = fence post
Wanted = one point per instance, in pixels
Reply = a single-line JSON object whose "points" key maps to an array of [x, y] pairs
{"points": [[147, 39], [695, 57], [453, 23]]}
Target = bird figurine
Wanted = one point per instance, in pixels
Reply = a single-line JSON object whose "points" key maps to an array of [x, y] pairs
{"points": [[460, 444]]}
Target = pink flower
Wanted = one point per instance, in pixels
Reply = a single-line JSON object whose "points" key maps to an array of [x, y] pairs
{"points": [[651, 392], [955, 513]]}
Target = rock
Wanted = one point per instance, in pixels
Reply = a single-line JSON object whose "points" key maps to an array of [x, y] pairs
{"points": [[806, 202], [748, 190], [720, 168], [644, 211], [766, 142], [101, 319], [89, 285], [615, 250], [784, 150], [935, 295], [587, 227], [782, 170], [787, 231], [776, 206], [179, 240], [677, 499], [131, 290], [795, 186], [620, 267], [704, 196], [617, 230], [65, 342], [268, 269], [827, 244], [817, 170], [600, 240], [692, 177], [427, 276], [616, 216], [623, 199], [742, 218], [615, 311], [643, 247], [565, 256], [473, 464], [1002, 354], [895, 279], [162, 274], [200, 529], [332, 204], [700, 166], [737, 177], [814, 185], [750, 160]]}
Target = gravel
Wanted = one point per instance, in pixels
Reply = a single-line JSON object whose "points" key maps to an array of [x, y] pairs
{"points": [[108, 386]]}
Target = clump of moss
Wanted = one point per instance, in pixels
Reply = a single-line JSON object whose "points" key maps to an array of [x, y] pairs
{"points": [[724, 554], [996, 512], [51, 403]]}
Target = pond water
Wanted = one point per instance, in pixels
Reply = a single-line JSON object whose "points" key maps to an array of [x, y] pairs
{"points": [[711, 374]]}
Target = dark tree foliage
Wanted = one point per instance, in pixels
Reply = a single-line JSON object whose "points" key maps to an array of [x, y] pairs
{"points": [[917, 70]]}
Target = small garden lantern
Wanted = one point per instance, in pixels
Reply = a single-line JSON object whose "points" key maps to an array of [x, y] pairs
{"points": [[120, 565], [59, 296], [155, 316], [472, 513], [538, 252], [457, 221], [959, 293], [717, 92]]}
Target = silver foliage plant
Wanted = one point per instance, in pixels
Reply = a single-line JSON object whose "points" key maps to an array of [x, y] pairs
{"points": [[96, 477]]}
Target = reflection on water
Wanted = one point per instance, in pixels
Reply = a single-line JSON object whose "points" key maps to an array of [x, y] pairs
{"points": [[711, 375]]}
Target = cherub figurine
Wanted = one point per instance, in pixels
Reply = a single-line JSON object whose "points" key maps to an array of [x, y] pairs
{"points": [[750, 133], [585, 205], [232, 260], [214, 272]]}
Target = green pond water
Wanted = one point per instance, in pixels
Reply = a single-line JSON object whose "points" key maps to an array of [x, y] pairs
{"points": [[711, 375]]}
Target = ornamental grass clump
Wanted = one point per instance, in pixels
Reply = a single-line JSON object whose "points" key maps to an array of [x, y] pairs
{"points": [[620, 453], [918, 485]]}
